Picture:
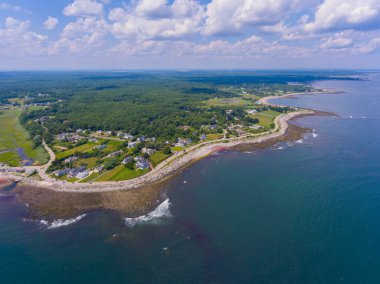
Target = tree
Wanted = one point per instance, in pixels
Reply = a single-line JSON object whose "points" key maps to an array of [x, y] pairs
{"points": [[167, 150]]}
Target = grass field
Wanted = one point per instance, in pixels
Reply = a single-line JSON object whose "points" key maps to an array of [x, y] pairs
{"points": [[120, 173], [113, 145], [226, 102], [13, 136], [216, 136], [266, 118], [90, 162], [158, 157], [176, 148], [81, 148], [90, 177]]}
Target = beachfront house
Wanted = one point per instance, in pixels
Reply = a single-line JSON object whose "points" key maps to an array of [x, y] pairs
{"points": [[83, 174], [73, 172], [183, 142], [142, 163], [59, 173], [203, 137]]}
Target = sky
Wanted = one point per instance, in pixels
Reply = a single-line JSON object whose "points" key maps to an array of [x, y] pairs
{"points": [[189, 34]]}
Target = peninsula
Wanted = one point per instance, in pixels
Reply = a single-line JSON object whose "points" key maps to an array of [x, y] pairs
{"points": [[95, 146]]}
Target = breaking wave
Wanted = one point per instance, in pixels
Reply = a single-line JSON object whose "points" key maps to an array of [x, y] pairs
{"points": [[299, 141], [157, 216], [61, 222]]}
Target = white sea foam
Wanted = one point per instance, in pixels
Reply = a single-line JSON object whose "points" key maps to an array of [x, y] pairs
{"points": [[315, 135], [299, 141], [157, 216], [61, 222], [280, 148]]}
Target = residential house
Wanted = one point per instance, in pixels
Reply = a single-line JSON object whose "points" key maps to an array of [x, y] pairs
{"points": [[70, 159], [148, 151], [73, 172], [98, 169], [127, 160], [251, 111], [133, 144], [183, 142], [142, 163], [83, 174], [114, 154], [59, 173]]}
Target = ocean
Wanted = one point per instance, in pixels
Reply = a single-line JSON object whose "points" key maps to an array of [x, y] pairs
{"points": [[300, 212]]}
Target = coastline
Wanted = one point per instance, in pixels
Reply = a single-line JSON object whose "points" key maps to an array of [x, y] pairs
{"points": [[165, 170], [265, 100]]}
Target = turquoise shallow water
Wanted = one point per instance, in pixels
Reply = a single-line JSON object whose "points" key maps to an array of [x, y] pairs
{"points": [[306, 212]]}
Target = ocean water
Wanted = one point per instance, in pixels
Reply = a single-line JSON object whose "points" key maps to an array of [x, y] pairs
{"points": [[302, 212]]}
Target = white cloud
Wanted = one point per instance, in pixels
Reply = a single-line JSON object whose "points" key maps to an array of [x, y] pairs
{"points": [[337, 41], [83, 7], [51, 23], [17, 40], [83, 34], [225, 17], [6, 6], [372, 46], [149, 19], [348, 14]]}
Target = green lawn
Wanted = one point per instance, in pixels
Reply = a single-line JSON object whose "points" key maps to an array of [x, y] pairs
{"points": [[73, 179], [266, 118], [158, 157], [176, 148], [215, 136], [90, 162], [113, 145], [120, 173], [13, 136], [90, 177], [81, 148]]}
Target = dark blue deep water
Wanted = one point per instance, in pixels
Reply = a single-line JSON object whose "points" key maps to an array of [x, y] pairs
{"points": [[307, 212]]}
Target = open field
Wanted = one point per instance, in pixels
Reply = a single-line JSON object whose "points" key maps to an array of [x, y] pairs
{"points": [[215, 136], [81, 148], [266, 118], [14, 136], [219, 102], [158, 157], [89, 162], [119, 173]]}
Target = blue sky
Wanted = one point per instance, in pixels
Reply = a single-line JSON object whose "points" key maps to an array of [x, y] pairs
{"points": [[189, 34]]}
